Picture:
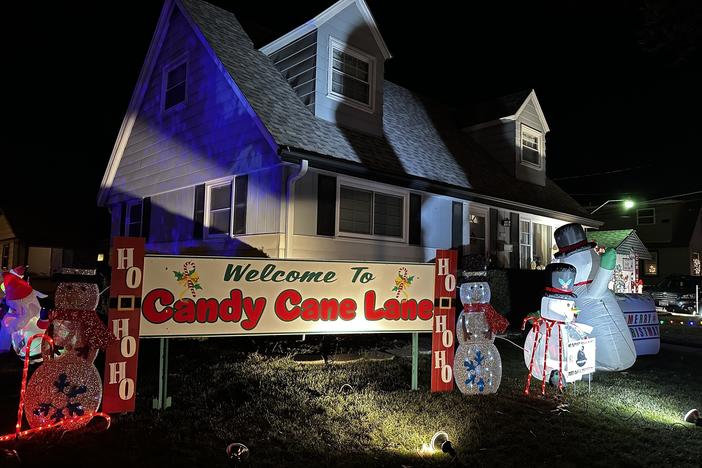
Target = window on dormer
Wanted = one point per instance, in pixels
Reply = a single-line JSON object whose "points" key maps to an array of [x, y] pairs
{"points": [[532, 146], [174, 85], [350, 76]]}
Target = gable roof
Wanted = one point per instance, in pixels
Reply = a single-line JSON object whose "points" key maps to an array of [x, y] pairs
{"points": [[421, 138], [623, 241], [502, 108], [322, 18]]}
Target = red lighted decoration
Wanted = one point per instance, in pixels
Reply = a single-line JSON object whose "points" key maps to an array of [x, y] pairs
{"points": [[68, 422], [121, 356], [444, 325]]}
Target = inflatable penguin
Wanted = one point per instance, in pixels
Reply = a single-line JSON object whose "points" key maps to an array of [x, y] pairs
{"points": [[547, 344], [598, 305]]}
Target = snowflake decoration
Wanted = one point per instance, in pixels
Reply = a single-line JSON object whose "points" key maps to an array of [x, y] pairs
{"points": [[474, 369], [74, 408]]}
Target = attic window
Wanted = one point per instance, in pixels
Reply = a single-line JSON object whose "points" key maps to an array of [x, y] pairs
{"points": [[174, 84], [350, 76], [532, 146]]}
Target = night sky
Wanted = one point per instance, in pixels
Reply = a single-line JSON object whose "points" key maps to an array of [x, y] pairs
{"points": [[619, 84]]}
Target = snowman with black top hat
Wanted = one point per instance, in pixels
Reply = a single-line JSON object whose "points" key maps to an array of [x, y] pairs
{"points": [[553, 329], [598, 304]]}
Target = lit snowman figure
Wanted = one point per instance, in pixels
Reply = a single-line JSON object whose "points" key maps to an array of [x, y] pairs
{"points": [[546, 345], [477, 365]]}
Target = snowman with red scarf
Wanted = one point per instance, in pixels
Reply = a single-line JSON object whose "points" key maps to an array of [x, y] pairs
{"points": [[598, 304], [477, 363], [546, 348]]}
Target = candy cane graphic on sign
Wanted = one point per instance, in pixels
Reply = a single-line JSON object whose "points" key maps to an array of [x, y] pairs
{"points": [[188, 279], [402, 283]]}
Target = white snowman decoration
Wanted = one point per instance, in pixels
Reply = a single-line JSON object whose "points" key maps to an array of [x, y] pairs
{"points": [[599, 307], [546, 347], [477, 365]]}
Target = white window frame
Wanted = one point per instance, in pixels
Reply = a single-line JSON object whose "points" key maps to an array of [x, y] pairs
{"points": [[164, 83], [532, 218], [127, 216], [206, 221], [638, 222], [353, 184], [347, 49], [483, 212], [525, 129], [530, 245]]}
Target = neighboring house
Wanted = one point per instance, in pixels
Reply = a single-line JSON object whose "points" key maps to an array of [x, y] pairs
{"points": [[44, 243], [630, 251], [23, 247], [301, 149], [670, 229]]}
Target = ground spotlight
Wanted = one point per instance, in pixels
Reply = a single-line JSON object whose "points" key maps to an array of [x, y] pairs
{"points": [[693, 416], [237, 453], [441, 442]]}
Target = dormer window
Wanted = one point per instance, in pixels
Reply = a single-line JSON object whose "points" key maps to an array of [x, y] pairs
{"points": [[174, 85], [532, 147], [350, 76]]}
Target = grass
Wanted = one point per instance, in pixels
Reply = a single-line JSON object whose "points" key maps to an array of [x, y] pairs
{"points": [[292, 414], [683, 334]]}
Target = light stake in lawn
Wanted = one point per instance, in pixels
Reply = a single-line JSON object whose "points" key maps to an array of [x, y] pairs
{"points": [[693, 416], [441, 442], [237, 453]]}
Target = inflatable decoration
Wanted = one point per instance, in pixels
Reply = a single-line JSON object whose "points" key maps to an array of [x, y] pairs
{"points": [[600, 310], [477, 365], [23, 317], [556, 347]]}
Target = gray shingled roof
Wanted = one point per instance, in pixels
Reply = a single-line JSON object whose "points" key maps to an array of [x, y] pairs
{"points": [[421, 138], [623, 241], [493, 109]]}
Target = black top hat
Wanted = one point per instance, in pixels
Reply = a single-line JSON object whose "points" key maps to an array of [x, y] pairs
{"points": [[560, 278], [570, 238]]}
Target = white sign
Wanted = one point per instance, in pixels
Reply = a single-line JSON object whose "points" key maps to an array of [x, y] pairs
{"points": [[204, 296], [580, 359]]}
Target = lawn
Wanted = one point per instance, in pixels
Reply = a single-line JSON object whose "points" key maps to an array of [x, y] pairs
{"points": [[681, 333], [363, 413]]}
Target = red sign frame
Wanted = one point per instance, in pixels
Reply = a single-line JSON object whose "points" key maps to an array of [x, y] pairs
{"points": [[444, 326], [121, 358]]}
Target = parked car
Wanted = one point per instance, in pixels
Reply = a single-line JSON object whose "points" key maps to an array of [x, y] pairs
{"points": [[676, 293]]}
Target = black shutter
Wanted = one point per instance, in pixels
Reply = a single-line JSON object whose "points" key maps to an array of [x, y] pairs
{"points": [[326, 205], [199, 213], [241, 187], [456, 225], [123, 219], [415, 219], [514, 239], [146, 218], [492, 248]]}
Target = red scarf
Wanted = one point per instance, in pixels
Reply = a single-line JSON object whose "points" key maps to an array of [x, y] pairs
{"points": [[496, 322]]}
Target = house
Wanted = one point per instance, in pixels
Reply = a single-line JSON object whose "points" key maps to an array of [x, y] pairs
{"points": [[37, 242], [301, 149], [671, 229], [630, 251]]}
